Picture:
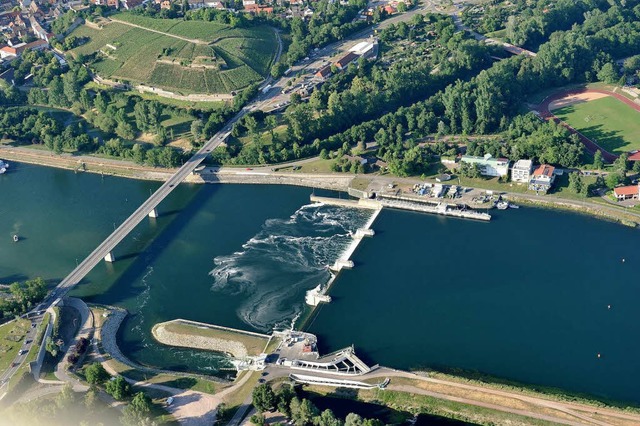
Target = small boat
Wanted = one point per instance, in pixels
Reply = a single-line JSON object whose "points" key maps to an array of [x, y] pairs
{"points": [[502, 205], [16, 238], [3, 167], [513, 206]]}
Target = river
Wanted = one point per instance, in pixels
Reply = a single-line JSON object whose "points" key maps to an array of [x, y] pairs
{"points": [[533, 296]]}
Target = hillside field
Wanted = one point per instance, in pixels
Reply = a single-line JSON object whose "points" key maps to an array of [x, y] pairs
{"points": [[607, 121], [214, 59]]}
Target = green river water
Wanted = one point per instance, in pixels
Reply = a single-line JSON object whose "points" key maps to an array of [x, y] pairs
{"points": [[524, 297]]}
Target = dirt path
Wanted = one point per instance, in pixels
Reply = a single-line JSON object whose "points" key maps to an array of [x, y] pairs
{"points": [[189, 40], [566, 97]]}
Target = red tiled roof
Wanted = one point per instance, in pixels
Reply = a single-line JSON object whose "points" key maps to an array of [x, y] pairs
{"points": [[635, 156], [544, 170], [626, 190], [346, 59]]}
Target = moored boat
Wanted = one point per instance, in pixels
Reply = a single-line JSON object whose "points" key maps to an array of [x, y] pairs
{"points": [[3, 166]]}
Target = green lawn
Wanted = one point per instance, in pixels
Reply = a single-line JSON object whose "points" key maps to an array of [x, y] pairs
{"points": [[607, 121], [11, 340]]}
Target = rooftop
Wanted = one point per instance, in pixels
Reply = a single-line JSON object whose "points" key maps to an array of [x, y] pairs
{"points": [[626, 190], [544, 170]]}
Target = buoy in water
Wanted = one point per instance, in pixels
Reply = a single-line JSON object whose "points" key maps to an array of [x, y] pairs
{"points": [[608, 306], [623, 260], [598, 355]]}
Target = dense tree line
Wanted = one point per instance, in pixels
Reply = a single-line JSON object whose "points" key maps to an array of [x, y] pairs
{"points": [[22, 297], [368, 90], [301, 412]]}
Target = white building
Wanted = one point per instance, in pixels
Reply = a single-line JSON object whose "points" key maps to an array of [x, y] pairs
{"points": [[366, 49], [489, 166], [521, 171]]}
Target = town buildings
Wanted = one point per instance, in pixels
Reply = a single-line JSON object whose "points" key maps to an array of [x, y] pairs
{"points": [[542, 178], [489, 166], [631, 192], [521, 171]]}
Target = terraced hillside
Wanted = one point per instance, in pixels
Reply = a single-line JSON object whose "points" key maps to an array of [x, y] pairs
{"points": [[179, 56]]}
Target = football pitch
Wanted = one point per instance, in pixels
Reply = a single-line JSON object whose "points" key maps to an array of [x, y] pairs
{"points": [[607, 121]]}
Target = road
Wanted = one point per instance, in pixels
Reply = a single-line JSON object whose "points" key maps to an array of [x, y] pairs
{"points": [[17, 362]]}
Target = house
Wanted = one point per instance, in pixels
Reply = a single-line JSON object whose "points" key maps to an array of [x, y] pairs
{"points": [[16, 50], [38, 31], [631, 192], [635, 156], [130, 4], [324, 72], [195, 4], [521, 171], [390, 9], [542, 178], [489, 166], [343, 62], [246, 3]]}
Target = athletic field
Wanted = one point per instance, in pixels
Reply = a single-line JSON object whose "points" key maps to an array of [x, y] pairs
{"points": [[607, 121]]}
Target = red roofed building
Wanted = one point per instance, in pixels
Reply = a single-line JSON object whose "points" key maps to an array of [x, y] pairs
{"points": [[631, 192], [324, 72], [345, 60], [542, 178], [257, 8], [635, 156]]}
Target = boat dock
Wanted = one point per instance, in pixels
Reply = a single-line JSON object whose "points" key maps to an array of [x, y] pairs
{"points": [[440, 208], [403, 203]]}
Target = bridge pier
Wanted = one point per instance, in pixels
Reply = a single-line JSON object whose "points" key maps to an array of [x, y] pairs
{"points": [[110, 257], [153, 213]]}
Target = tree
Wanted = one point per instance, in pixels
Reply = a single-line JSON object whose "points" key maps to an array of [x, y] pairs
{"points": [[138, 412], [608, 73], [118, 388], [91, 399], [258, 419], [575, 182], [264, 398], [612, 180], [196, 129], [66, 397], [621, 165], [96, 374], [598, 162], [303, 412], [327, 418]]}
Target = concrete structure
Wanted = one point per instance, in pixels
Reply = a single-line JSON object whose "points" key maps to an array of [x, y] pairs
{"points": [[489, 166], [105, 249], [366, 49], [521, 171], [542, 178], [631, 192]]}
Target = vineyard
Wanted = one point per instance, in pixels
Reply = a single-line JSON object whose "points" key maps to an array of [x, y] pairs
{"points": [[213, 58]]}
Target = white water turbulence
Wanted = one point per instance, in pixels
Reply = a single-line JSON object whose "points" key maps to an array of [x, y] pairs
{"points": [[285, 259]]}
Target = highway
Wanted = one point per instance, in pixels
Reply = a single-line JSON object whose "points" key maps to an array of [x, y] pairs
{"points": [[24, 351]]}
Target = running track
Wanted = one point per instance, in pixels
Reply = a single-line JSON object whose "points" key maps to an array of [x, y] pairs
{"points": [[592, 147]]}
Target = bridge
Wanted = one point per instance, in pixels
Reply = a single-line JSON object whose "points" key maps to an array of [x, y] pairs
{"points": [[148, 208]]}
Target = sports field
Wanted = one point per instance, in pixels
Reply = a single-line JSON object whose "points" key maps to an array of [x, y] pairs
{"points": [[218, 59], [607, 121]]}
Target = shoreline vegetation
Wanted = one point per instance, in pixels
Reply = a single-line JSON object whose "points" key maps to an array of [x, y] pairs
{"points": [[330, 181]]}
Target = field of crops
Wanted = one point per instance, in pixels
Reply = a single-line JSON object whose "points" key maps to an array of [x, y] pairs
{"points": [[137, 55]]}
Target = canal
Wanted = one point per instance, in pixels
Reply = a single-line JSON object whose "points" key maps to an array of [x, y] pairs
{"points": [[533, 296]]}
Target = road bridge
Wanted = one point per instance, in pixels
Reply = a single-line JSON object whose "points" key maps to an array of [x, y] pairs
{"points": [[148, 208]]}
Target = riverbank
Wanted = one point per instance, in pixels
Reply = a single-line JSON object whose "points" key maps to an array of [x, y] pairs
{"points": [[191, 334], [265, 175]]}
